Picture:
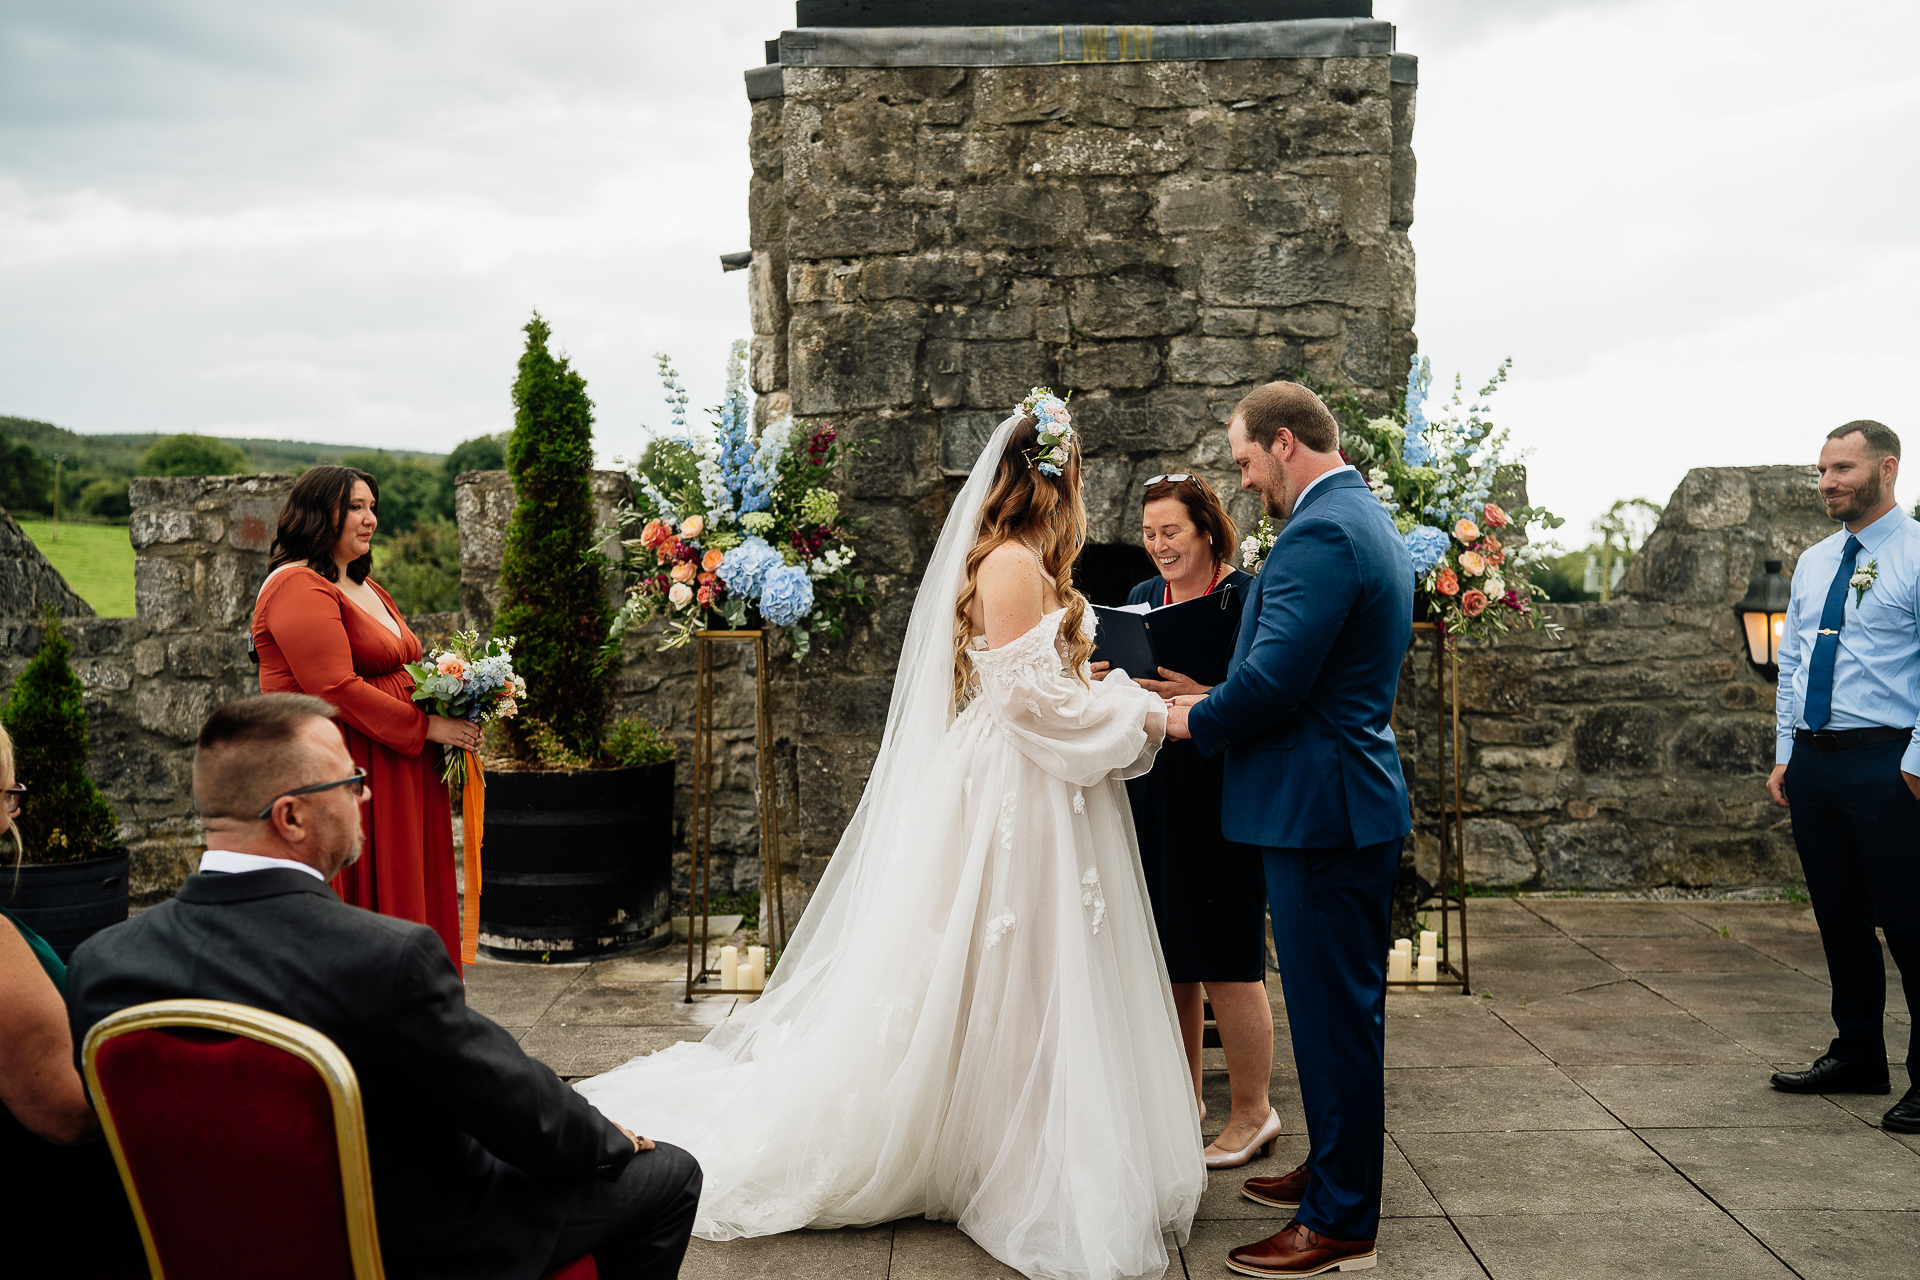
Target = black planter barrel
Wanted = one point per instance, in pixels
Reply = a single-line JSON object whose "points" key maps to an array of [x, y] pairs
{"points": [[575, 864], [67, 902]]}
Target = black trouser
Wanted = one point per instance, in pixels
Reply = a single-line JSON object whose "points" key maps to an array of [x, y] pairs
{"points": [[636, 1226], [1857, 827]]}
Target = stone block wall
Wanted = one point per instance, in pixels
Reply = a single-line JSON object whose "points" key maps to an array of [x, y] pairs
{"points": [[1630, 750]]}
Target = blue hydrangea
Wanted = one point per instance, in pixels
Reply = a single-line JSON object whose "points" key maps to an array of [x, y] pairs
{"points": [[1426, 546], [745, 567], [786, 595]]}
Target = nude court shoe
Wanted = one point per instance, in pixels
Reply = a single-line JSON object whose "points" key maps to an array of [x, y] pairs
{"points": [[1262, 1145]]}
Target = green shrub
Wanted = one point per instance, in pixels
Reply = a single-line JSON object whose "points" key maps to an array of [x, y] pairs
{"points": [[106, 498], [635, 741], [552, 576], [191, 455], [65, 818], [26, 478], [421, 568]]}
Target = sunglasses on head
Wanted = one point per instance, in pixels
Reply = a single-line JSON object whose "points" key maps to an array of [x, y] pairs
{"points": [[1172, 477], [358, 782]]}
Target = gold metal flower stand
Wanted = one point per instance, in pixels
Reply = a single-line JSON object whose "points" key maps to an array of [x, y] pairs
{"points": [[699, 880], [1451, 892]]}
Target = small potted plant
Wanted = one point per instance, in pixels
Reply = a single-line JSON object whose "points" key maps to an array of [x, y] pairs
{"points": [[72, 880], [578, 855]]}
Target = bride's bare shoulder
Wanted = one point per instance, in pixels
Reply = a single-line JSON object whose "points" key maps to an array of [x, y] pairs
{"points": [[1008, 567]]}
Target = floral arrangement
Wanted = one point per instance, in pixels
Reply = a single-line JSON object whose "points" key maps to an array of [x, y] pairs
{"points": [[736, 525], [1055, 445], [1254, 547], [468, 681], [1436, 477]]}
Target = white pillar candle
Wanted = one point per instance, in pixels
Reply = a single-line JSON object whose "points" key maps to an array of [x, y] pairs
{"points": [[729, 962], [757, 964], [743, 977], [1397, 966], [1429, 970], [1429, 943], [1404, 946]]}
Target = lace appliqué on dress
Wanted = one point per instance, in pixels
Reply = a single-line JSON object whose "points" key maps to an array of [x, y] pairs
{"points": [[1079, 802], [1091, 896], [1006, 820], [894, 1021], [998, 927]]}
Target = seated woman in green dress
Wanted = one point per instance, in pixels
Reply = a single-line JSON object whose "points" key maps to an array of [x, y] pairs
{"points": [[65, 1209]]}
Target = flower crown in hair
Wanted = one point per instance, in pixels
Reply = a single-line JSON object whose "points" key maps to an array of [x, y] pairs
{"points": [[1056, 430]]}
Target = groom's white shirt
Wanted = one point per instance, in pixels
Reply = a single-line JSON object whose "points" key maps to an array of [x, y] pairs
{"points": [[232, 863], [1300, 497]]}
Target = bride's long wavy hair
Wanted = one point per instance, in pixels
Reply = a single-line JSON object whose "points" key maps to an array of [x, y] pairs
{"points": [[1046, 510]]}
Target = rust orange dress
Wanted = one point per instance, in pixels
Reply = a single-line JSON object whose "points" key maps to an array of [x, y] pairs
{"points": [[312, 639]]}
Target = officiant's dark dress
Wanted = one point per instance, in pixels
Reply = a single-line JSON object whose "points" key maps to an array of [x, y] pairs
{"points": [[1209, 893]]}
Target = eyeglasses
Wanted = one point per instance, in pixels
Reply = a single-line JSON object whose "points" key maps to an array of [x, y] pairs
{"points": [[358, 782], [16, 799], [1172, 477]]}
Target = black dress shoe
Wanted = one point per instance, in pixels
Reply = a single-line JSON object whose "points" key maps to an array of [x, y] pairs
{"points": [[1905, 1115], [1830, 1075]]}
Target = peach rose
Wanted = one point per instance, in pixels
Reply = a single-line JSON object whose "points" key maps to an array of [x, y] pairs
{"points": [[1466, 530], [655, 533], [669, 548], [1448, 583], [680, 595], [706, 593], [711, 561], [1474, 603], [1473, 562], [684, 571], [692, 526], [1494, 516], [452, 666]]}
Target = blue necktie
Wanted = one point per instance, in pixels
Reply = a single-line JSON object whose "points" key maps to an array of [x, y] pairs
{"points": [[1826, 645]]}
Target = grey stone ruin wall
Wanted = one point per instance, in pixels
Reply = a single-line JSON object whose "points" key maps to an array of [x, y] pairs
{"points": [[150, 680], [1157, 236], [1630, 751]]}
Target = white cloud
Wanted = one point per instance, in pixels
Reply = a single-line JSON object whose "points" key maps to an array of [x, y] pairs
{"points": [[1690, 221]]}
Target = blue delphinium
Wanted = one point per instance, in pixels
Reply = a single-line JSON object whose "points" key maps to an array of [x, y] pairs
{"points": [[1426, 546], [745, 567], [1414, 450], [786, 595]]}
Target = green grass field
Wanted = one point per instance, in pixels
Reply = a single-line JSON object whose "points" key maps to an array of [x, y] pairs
{"points": [[95, 559]]}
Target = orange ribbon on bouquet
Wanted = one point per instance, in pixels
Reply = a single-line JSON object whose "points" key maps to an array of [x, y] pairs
{"points": [[473, 819]]}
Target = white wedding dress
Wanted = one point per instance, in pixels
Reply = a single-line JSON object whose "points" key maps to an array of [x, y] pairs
{"points": [[972, 1022]]}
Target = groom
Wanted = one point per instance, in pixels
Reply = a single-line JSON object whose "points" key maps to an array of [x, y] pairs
{"points": [[1313, 777]]}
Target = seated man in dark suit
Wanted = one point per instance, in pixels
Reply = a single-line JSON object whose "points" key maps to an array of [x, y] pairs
{"points": [[485, 1164]]}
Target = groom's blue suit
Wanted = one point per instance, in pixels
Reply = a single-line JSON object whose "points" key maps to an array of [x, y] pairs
{"points": [[1313, 776]]}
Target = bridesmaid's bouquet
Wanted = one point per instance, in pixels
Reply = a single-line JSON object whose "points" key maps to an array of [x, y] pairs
{"points": [[468, 681]]}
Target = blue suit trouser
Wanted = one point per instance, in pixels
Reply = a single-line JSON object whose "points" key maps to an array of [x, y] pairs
{"points": [[1857, 828], [1330, 910]]}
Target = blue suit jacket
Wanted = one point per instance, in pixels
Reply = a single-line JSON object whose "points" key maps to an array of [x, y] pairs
{"points": [[1306, 716]]}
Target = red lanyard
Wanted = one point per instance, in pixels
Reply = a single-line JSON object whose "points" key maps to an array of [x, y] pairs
{"points": [[1168, 596]]}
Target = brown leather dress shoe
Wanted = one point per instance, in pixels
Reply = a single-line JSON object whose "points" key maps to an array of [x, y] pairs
{"points": [[1299, 1251], [1279, 1193]]}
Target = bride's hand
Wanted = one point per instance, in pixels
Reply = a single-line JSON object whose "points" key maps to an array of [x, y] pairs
{"points": [[1100, 670], [1172, 684]]}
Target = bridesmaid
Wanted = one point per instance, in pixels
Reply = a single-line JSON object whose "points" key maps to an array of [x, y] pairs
{"points": [[1209, 894], [322, 627]]}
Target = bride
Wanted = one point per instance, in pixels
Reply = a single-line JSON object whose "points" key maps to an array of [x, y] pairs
{"points": [[972, 1022]]}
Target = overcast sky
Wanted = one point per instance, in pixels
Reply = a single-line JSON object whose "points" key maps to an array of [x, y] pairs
{"points": [[1690, 222]]}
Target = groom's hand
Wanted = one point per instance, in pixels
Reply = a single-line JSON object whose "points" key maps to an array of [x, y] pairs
{"points": [[639, 1143], [1172, 684], [1177, 722]]}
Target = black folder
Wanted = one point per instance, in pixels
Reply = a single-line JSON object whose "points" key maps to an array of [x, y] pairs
{"points": [[1195, 637]]}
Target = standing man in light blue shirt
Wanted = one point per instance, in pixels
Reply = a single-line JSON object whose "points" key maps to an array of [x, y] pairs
{"points": [[1847, 758]]}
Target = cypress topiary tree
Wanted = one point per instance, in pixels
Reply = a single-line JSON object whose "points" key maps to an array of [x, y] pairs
{"points": [[65, 819], [552, 578]]}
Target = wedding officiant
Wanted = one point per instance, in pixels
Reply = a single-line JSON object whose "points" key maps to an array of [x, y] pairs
{"points": [[1209, 893]]}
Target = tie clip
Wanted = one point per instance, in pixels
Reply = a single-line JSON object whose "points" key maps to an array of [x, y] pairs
{"points": [[1825, 632]]}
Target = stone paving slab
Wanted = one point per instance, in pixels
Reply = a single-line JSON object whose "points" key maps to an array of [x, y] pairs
{"points": [[1628, 1245], [1830, 1244], [1597, 1108]]}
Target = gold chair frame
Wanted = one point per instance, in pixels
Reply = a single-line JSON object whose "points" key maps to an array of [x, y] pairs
{"points": [[298, 1039]]}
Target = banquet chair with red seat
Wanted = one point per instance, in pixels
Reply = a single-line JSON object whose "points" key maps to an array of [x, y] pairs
{"points": [[241, 1142]]}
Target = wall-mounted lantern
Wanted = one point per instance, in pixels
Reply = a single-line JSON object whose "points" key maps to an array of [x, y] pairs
{"points": [[1763, 616]]}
